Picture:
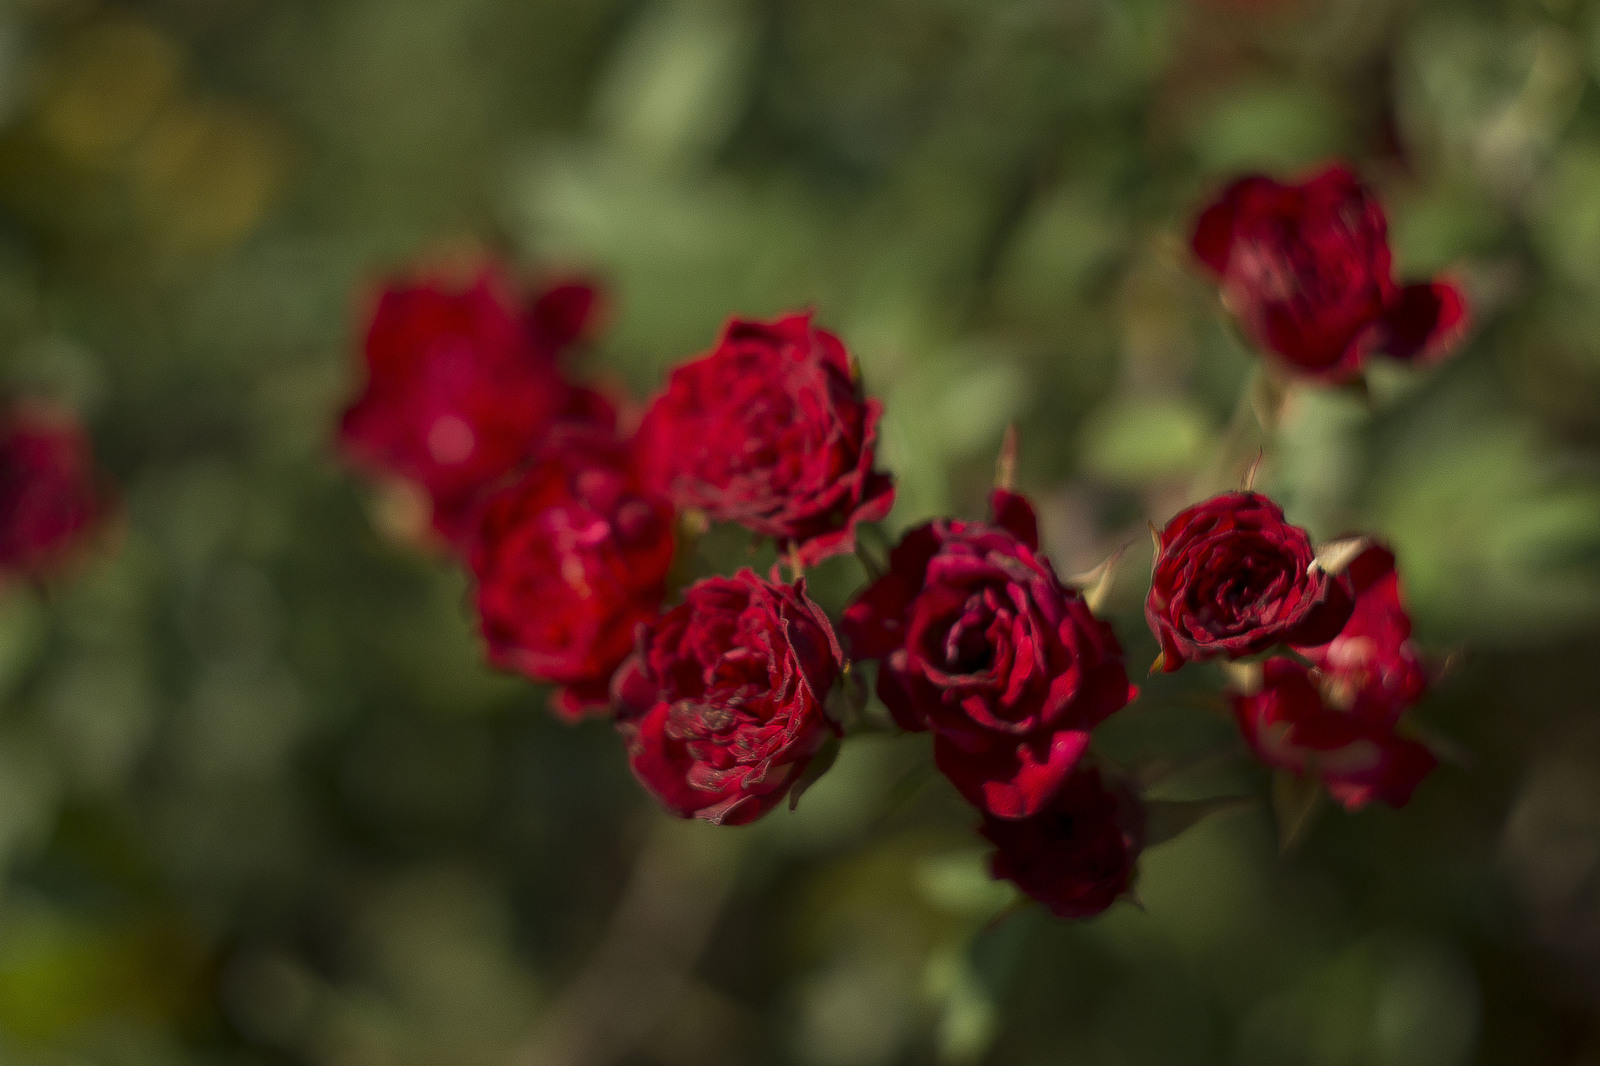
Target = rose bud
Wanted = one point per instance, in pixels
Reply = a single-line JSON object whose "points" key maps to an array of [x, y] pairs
{"points": [[457, 395], [49, 496], [570, 559], [770, 430], [1372, 667], [982, 644], [1232, 578], [1306, 269], [1292, 722], [721, 704], [1078, 854]]}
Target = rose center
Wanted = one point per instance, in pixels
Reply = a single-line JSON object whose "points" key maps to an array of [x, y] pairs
{"points": [[968, 648]]}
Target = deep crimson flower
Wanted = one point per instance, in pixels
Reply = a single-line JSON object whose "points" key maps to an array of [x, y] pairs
{"points": [[1300, 722], [1076, 856], [722, 703], [49, 497], [458, 393], [983, 645], [770, 430], [1372, 667], [1306, 268], [570, 559], [1232, 578]]}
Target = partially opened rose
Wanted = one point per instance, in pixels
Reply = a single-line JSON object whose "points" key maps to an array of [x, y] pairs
{"points": [[982, 644], [1307, 269], [1232, 578], [1293, 722], [570, 559], [457, 394], [1372, 665], [770, 430], [722, 704], [1077, 855]]}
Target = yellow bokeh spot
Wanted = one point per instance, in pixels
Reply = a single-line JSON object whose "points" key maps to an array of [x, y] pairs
{"points": [[106, 86], [208, 173]]}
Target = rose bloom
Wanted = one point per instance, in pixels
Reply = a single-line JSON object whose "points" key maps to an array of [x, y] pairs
{"points": [[1232, 578], [722, 703], [461, 386], [49, 496], [1296, 721], [770, 430], [1078, 854], [982, 644], [570, 559], [1306, 268]]}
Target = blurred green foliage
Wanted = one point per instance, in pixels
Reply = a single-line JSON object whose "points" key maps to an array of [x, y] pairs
{"points": [[261, 802]]}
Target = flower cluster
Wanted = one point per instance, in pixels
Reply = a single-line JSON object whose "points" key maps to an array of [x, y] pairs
{"points": [[729, 692]]}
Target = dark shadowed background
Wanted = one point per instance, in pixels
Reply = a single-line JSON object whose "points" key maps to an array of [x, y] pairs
{"points": [[260, 801]]}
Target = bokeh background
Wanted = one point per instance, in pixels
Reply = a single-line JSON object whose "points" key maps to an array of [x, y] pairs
{"points": [[261, 802]]}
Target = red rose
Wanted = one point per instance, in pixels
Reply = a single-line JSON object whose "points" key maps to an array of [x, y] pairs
{"points": [[48, 492], [1291, 723], [1232, 578], [570, 559], [1078, 854], [1306, 268], [1372, 667], [770, 430], [721, 704], [458, 393], [983, 645]]}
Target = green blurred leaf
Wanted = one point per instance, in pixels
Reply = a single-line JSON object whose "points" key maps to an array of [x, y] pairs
{"points": [[1138, 440]]}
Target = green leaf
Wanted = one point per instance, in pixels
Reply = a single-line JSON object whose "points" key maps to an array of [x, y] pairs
{"points": [[960, 883], [1166, 819]]}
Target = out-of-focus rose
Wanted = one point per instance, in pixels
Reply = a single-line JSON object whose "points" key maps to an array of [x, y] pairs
{"points": [[1292, 722], [983, 645], [1372, 667], [458, 394], [722, 703], [1306, 268], [1232, 578], [770, 430], [1079, 853], [570, 559], [49, 497]]}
